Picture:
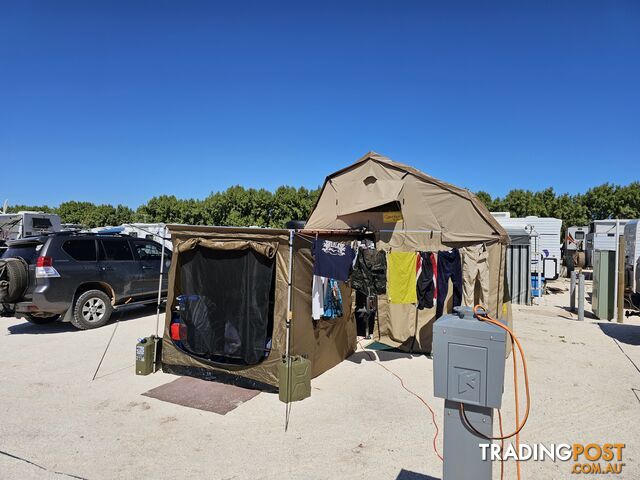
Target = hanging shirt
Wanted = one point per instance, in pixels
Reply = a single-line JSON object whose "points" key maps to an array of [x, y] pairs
{"points": [[332, 259], [332, 300], [401, 277], [318, 290]]}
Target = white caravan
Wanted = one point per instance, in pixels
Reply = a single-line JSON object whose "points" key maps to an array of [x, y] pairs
{"points": [[602, 236], [27, 224], [545, 240]]}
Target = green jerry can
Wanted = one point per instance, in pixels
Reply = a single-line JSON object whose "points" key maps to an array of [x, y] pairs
{"points": [[147, 355], [299, 374]]}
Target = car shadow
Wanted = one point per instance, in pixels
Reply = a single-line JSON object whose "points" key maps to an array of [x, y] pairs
{"points": [[409, 475], [629, 334], [123, 314]]}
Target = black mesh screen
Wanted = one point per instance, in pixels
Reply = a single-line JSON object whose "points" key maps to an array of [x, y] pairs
{"points": [[227, 304]]}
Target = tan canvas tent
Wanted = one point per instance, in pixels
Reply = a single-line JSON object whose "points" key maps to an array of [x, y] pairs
{"points": [[244, 274], [232, 284], [408, 210]]}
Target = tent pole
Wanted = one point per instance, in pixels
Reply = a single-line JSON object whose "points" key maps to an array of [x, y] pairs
{"points": [[289, 298], [288, 329], [164, 235]]}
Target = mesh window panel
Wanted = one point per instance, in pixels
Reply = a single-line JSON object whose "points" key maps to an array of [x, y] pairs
{"points": [[228, 304]]}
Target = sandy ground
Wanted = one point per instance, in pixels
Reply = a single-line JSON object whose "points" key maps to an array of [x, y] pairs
{"points": [[359, 423]]}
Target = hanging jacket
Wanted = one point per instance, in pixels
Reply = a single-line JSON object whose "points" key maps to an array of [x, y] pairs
{"points": [[369, 274]]}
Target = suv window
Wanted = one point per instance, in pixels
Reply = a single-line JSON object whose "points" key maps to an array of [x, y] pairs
{"points": [[28, 252], [148, 251], [115, 249], [83, 250]]}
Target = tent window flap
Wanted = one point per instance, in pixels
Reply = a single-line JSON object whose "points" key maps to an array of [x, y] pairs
{"points": [[363, 195], [227, 304]]}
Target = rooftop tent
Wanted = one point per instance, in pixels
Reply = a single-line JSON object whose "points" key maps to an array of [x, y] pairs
{"points": [[408, 210], [230, 289]]}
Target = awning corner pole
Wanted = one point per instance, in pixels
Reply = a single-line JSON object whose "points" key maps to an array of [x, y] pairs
{"points": [[615, 281], [289, 298], [164, 235], [288, 330]]}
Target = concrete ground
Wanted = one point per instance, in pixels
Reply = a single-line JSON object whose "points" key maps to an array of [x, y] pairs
{"points": [[359, 423]]}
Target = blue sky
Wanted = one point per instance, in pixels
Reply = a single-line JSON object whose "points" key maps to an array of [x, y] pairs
{"points": [[110, 101]]}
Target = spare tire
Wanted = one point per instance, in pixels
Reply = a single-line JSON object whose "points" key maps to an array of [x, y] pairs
{"points": [[14, 278]]}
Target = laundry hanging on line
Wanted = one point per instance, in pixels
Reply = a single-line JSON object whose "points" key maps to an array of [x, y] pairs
{"points": [[475, 267], [426, 281], [332, 300], [369, 274], [332, 259], [401, 277], [318, 289], [449, 268]]}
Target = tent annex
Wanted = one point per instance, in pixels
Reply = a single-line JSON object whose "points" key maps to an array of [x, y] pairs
{"points": [[408, 210], [227, 305]]}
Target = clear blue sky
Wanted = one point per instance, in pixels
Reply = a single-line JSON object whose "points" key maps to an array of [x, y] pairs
{"points": [[117, 101]]}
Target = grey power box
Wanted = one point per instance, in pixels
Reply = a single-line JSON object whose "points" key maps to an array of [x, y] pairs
{"points": [[468, 372], [468, 359]]}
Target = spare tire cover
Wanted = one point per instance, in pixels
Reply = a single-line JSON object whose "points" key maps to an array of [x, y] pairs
{"points": [[14, 278]]}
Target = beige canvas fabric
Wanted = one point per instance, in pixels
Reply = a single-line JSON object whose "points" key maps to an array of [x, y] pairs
{"points": [[475, 275], [410, 211], [326, 342]]}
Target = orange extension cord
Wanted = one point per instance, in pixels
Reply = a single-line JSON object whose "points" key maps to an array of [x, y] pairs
{"points": [[433, 414], [481, 314]]}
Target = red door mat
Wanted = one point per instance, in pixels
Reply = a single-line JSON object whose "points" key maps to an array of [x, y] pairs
{"points": [[203, 395]]}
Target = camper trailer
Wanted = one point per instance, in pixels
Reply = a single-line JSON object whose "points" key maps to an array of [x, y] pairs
{"points": [[631, 254], [545, 241], [27, 224], [149, 231], [602, 236]]}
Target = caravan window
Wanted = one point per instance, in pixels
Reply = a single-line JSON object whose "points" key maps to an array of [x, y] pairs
{"points": [[41, 223], [579, 236], [226, 303]]}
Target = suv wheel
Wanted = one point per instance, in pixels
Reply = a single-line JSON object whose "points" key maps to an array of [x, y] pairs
{"points": [[42, 320], [91, 310]]}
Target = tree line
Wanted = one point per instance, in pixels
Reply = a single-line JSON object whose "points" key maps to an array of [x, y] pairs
{"points": [[239, 206]]}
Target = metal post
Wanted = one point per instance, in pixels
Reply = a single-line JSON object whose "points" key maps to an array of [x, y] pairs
{"points": [[572, 291], [289, 300], [164, 235], [620, 278], [615, 281], [581, 297]]}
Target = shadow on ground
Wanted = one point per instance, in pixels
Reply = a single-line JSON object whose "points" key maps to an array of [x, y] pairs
{"points": [[629, 334], [409, 475], [380, 355], [124, 314]]}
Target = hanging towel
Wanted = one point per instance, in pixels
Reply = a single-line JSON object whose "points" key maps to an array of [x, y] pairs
{"points": [[402, 277], [332, 300], [332, 259], [318, 290]]}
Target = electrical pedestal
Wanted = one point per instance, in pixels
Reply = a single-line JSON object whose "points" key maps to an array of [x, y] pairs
{"points": [[468, 369]]}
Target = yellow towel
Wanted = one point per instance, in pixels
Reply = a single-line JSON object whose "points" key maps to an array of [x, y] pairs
{"points": [[401, 277]]}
